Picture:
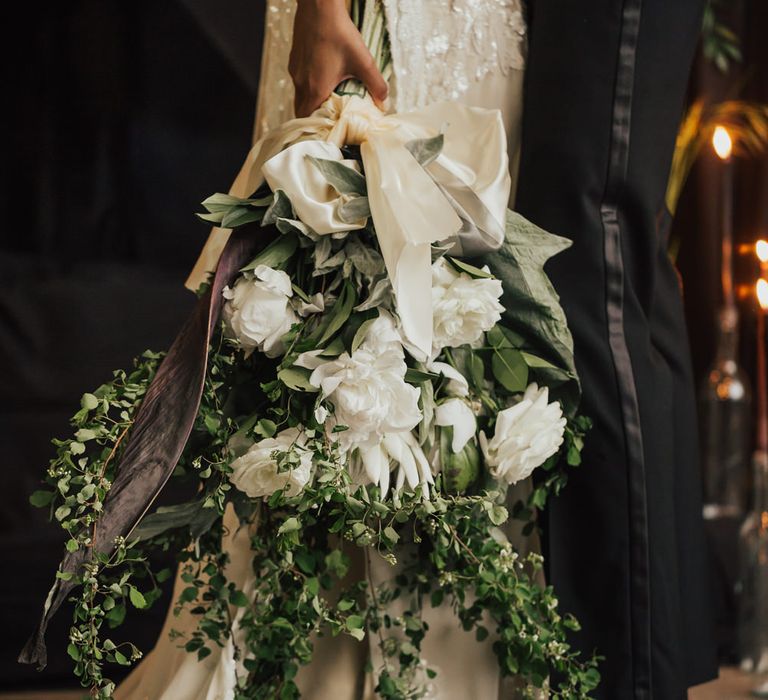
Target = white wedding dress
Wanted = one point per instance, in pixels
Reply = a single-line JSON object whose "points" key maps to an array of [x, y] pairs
{"points": [[472, 51]]}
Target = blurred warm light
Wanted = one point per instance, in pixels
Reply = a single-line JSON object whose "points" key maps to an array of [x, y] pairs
{"points": [[721, 141], [762, 293], [761, 250]]}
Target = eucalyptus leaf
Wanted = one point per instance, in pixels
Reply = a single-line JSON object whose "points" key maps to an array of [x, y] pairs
{"points": [[239, 216], [340, 312], [276, 253]]}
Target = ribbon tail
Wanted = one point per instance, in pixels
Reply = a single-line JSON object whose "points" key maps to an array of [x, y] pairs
{"points": [[159, 434], [409, 213]]}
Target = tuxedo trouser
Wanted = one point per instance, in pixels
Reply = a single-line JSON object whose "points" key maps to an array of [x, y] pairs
{"points": [[624, 543]]}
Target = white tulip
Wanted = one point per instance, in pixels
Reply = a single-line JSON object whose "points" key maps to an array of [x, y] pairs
{"points": [[526, 435], [258, 311], [459, 416], [463, 307], [402, 450], [256, 472]]}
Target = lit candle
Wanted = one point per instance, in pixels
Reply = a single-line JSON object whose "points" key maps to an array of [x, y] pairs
{"points": [[721, 142], [762, 385]]}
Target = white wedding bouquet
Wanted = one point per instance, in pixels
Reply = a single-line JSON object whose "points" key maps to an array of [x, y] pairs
{"points": [[377, 358]]}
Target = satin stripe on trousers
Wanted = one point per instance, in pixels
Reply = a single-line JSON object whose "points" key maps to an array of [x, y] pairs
{"points": [[605, 87]]}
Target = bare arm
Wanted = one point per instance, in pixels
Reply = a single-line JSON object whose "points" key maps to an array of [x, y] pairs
{"points": [[327, 49]]}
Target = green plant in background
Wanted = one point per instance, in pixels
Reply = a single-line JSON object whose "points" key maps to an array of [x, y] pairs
{"points": [[747, 122], [719, 42]]}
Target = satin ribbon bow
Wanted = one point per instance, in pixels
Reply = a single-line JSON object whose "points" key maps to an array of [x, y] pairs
{"points": [[461, 196]]}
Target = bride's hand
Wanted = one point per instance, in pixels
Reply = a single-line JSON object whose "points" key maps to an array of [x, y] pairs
{"points": [[327, 49]]}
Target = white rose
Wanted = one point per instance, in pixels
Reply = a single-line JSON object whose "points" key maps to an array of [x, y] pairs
{"points": [[367, 388], [258, 311], [526, 435], [463, 308], [256, 472]]}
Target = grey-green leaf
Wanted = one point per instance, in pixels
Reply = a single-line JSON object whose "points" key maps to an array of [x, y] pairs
{"points": [[426, 150], [342, 178], [532, 306]]}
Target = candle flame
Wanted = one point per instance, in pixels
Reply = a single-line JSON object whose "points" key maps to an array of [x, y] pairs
{"points": [[761, 250], [762, 293], [721, 142]]}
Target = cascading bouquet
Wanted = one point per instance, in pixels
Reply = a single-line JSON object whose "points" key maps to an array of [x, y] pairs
{"points": [[377, 357]]}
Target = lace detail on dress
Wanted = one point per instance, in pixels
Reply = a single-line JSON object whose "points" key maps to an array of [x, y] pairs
{"points": [[275, 100], [441, 47]]}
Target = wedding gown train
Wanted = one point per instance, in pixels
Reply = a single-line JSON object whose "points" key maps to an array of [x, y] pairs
{"points": [[464, 50]]}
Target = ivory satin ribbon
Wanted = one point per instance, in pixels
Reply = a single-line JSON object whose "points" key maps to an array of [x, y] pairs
{"points": [[460, 197]]}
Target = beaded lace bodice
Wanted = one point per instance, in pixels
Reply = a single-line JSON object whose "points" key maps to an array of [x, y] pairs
{"points": [[439, 49]]}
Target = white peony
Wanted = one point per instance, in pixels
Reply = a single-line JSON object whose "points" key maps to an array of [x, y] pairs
{"points": [[367, 388], [463, 308], [256, 472], [258, 311], [526, 435]]}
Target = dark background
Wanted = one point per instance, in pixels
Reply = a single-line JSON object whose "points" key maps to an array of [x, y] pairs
{"points": [[118, 119]]}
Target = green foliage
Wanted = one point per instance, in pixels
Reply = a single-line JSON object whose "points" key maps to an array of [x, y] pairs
{"points": [[446, 549], [719, 42]]}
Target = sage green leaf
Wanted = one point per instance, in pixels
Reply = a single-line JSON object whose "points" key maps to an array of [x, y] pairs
{"points": [[40, 499], [279, 209], [476, 370], [276, 253], [510, 369], [460, 470], [426, 150], [362, 331], [380, 294], [533, 310], [239, 599], [356, 209], [296, 378], [417, 376], [239, 216], [340, 312], [137, 599], [342, 178], [224, 202], [471, 270], [213, 218], [290, 525], [89, 402]]}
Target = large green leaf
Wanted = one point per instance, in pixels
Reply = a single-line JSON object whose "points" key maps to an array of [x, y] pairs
{"points": [[533, 310]]}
